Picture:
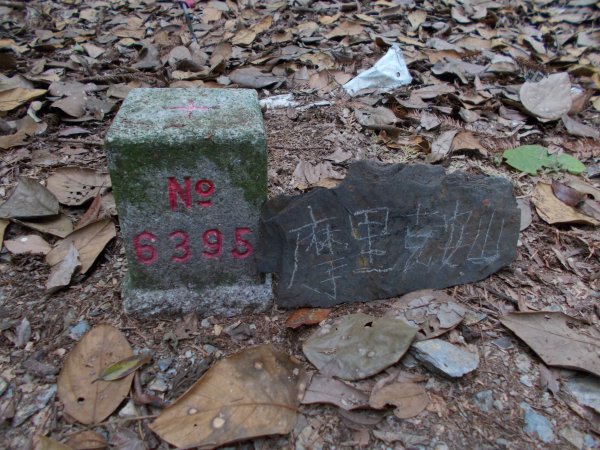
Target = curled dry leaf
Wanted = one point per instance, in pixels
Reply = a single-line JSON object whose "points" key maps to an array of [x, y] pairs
{"points": [[307, 175], [253, 393], [45, 443], [558, 339], [358, 346], [85, 400], [433, 312], [87, 440], [526, 217], [549, 98], [552, 210], [89, 241], [59, 225], [566, 194], [60, 275], [13, 98], [579, 129], [75, 185], [29, 199], [329, 390], [441, 147], [26, 127], [408, 398], [252, 77], [307, 316], [3, 224]]}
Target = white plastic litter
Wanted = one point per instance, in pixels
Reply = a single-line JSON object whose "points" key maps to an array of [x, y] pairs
{"points": [[279, 101], [390, 72]]}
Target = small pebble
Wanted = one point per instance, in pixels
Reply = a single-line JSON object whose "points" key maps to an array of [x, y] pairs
{"points": [[164, 363], [537, 425], [77, 331], [484, 400]]}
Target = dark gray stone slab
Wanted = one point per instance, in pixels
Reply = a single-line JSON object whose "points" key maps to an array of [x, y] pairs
{"points": [[189, 173], [387, 230]]}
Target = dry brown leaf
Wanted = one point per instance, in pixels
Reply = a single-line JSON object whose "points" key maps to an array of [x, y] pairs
{"points": [[252, 77], [244, 37], [346, 28], [306, 316], [26, 127], [526, 217], [465, 140], [590, 208], [60, 275], [222, 52], [408, 398], [323, 389], [558, 339], [416, 18], [582, 186], [75, 185], [548, 99], [29, 199], [442, 146], [13, 98], [579, 129], [566, 194], [89, 241], [253, 393], [379, 118], [307, 175], [87, 440], [263, 25], [73, 105], [87, 401], [552, 210], [93, 50], [30, 244], [59, 225], [45, 443], [3, 224], [94, 213]]}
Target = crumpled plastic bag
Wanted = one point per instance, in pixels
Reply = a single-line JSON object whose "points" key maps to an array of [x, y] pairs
{"points": [[389, 73]]}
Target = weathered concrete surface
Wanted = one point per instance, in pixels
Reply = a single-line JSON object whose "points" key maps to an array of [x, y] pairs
{"points": [[189, 173], [387, 230]]}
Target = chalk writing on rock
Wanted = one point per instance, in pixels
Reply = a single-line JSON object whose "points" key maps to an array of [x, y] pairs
{"points": [[387, 230]]}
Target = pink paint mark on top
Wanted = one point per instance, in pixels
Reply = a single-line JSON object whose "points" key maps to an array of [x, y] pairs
{"points": [[190, 108]]}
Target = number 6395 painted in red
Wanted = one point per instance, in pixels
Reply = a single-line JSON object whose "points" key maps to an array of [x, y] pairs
{"points": [[212, 240]]}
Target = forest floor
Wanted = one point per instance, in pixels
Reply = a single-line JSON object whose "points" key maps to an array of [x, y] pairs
{"points": [[475, 65]]}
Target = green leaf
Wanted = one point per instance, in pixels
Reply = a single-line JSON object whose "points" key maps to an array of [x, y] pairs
{"points": [[528, 158], [570, 164], [122, 368], [531, 158]]}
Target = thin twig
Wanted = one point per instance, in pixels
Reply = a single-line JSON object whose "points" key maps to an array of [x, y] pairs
{"points": [[78, 141]]}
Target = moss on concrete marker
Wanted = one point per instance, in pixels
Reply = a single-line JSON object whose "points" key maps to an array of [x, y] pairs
{"points": [[189, 174]]}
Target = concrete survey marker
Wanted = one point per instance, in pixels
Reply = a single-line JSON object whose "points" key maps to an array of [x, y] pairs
{"points": [[189, 173], [387, 230]]}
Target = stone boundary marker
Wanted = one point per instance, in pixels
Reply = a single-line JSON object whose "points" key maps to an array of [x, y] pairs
{"points": [[189, 174]]}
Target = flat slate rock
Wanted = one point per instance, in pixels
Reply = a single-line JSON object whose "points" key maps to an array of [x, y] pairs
{"points": [[387, 230]]}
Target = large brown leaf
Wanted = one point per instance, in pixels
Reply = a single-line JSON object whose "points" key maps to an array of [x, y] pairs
{"points": [[75, 185], [86, 400], [253, 393], [89, 242], [358, 345], [558, 339], [29, 199]]}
